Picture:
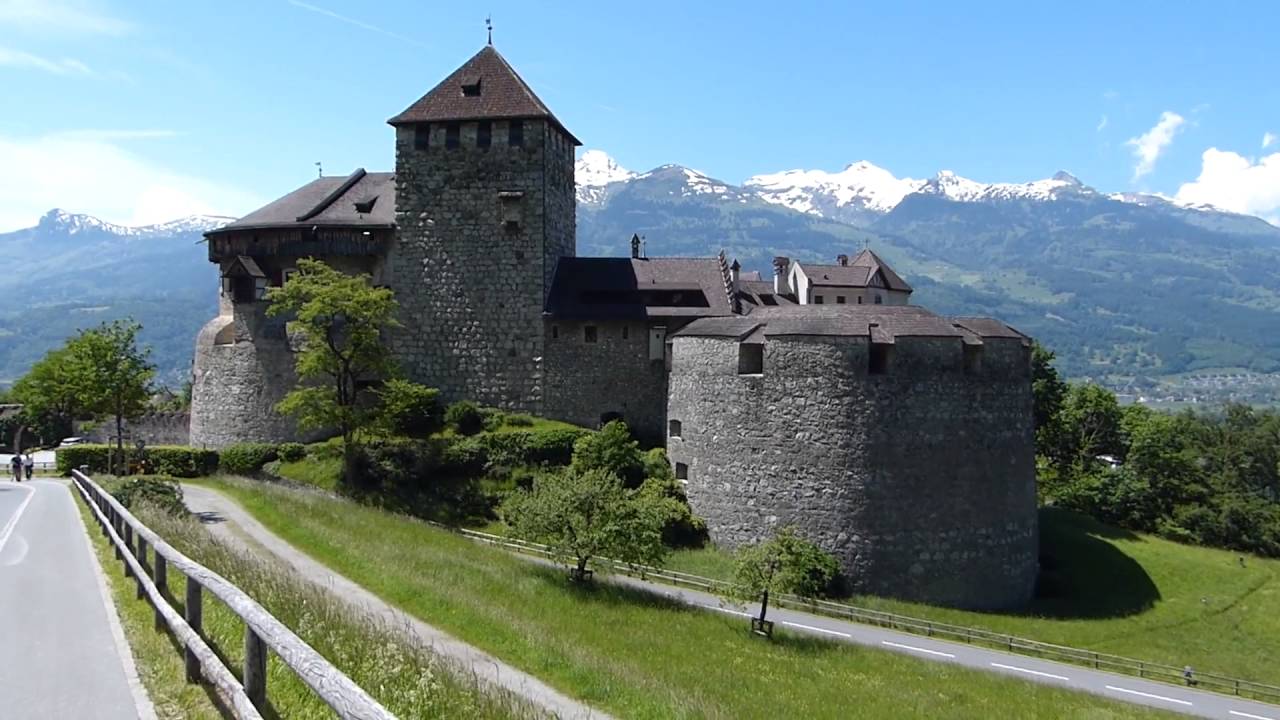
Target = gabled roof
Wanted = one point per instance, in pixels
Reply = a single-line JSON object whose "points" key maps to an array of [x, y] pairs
{"points": [[329, 202], [503, 94], [858, 273], [620, 288], [870, 260]]}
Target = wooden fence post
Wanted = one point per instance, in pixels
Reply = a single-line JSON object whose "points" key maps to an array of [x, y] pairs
{"points": [[255, 668], [115, 525], [141, 554], [194, 616], [161, 573], [128, 546]]}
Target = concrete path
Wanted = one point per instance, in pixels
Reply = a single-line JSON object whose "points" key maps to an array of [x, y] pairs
{"points": [[1123, 688], [229, 521], [62, 652]]}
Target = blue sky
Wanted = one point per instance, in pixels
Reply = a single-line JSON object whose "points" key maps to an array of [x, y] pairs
{"points": [[135, 110]]}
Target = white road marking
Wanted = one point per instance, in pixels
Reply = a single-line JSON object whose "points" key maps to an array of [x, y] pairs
{"points": [[1148, 695], [13, 521], [1247, 715], [917, 649], [717, 608], [817, 629], [1030, 672]]}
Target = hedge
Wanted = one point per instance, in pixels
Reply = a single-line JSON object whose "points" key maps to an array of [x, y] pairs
{"points": [[292, 451], [511, 449], [173, 460], [246, 458]]}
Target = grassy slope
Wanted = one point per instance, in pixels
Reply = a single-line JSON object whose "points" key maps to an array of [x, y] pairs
{"points": [[631, 653], [1126, 594]]}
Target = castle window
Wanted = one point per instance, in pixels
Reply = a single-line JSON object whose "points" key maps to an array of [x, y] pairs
{"points": [[972, 359], [859, 299], [422, 136], [471, 88], [625, 332], [590, 334], [839, 299], [817, 299], [878, 360], [879, 299], [555, 332], [673, 428], [751, 359], [452, 136], [515, 133], [682, 472], [484, 134]]}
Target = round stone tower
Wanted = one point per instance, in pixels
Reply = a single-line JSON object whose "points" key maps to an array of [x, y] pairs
{"points": [[898, 440]]}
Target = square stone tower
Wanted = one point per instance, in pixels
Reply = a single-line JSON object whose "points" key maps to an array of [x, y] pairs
{"points": [[485, 209]]}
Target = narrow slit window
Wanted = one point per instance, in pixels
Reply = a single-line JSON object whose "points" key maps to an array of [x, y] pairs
{"points": [[972, 359], [452, 136], [751, 359], [555, 332], [422, 136], [625, 332], [673, 428], [484, 134], [590, 334], [878, 362], [515, 133]]}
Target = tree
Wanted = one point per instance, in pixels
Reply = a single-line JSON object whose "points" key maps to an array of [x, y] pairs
{"points": [[340, 319], [409, 409], [1048, 391], [1091, 426], [785, 563], [587, 514], [113, 375], [613, 451], [50, 394]]}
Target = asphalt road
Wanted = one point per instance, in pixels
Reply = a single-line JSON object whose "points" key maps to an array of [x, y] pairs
{"points": [[61, 654], [1123, 688]]}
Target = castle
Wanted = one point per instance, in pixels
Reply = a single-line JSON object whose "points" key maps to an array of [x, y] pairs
{"points": [[897, 439]]}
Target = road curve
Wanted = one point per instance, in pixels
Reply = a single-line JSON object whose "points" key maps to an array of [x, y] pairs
{"points": [[62, 653]]}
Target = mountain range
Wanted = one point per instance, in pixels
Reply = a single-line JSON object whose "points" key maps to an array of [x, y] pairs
{"points": [[1119, 284]]}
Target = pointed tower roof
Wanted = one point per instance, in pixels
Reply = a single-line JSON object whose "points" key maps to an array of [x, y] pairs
{"points": [[486, 87], [868, 259]]}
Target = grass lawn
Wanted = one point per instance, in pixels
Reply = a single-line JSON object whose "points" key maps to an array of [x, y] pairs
{"points": [[409, 680], [1113, 591], [632, 653], [321, 472]]}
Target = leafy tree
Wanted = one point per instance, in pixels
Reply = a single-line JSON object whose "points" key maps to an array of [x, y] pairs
{"points": [[588, 514], [50, 394], [1090, 426], [611, 450], [340, 319], [785, 563], [112, 375], [410, 409], [1048, 391]]}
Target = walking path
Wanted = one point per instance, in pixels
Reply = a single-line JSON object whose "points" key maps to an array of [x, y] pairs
{"points": [[229, 521], [1123, 688], [62, 652]]}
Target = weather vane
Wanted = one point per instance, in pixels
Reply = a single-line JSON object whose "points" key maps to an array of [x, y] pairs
{"points": [[319, 170], [488, 25]]}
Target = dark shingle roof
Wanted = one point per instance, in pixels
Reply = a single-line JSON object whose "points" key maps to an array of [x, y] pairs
{"points": [[502, 94], [857, 273], [870, 260], [883, 323], [329, 201], [608, 288]]}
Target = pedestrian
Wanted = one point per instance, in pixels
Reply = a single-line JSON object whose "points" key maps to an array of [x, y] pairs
{"points": [[16, 464], [1189, 675], [29, 465]]}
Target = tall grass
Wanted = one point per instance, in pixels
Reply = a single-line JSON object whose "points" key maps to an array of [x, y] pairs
{"points": [[633, 653], [405, 676]]}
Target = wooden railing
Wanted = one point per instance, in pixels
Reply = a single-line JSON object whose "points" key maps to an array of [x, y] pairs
{"points": [[999, 641], [247, 698]]}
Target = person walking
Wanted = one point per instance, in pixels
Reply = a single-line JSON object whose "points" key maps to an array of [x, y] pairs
{"points": [[29, 465], [16, 464]]}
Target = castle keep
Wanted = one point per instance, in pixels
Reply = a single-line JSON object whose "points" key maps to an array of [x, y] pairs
{"points": [[897, 439]]}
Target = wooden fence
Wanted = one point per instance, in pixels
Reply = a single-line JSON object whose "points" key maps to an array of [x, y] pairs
{"points": [[999, 641], [247, 698]]}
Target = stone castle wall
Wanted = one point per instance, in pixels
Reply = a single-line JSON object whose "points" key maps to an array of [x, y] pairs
{"points": [[588, 382], [243, 367], [154, 428], [470, 284], [920, 481]]}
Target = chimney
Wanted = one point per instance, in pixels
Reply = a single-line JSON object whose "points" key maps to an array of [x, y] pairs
{"points": [[635, 245], [735, 271], [843, 260], [781, 284]]}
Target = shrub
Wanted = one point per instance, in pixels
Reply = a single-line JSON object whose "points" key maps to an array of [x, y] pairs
{"points": [[465, 457], [410, 409], [494, 419], [518, 421], [291, 452], [174, 460], [159, 491], [553, 446], [465, 417], [612, 451], [246, 458]]}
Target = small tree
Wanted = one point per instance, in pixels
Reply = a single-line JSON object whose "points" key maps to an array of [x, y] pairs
{"points": [[587, 514], [410, 409], [785, 563], [340, 319], [612, 450]]}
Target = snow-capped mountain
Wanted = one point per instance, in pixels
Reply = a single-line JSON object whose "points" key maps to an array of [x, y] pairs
{"points": [[861, 188], [58, 220], [594, 172]]}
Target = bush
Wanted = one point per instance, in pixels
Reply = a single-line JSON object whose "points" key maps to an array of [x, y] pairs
{"points": [[174, 460], [291, 452], [246, 458], [612, 451], [158, 491], [465, 417], [410, 409], [494, 419]]}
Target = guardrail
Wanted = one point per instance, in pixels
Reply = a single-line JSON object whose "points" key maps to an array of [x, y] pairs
{"points": [[1009, 643], [246, 700]]}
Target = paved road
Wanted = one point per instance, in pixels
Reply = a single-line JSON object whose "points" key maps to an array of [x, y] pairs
{"points": [[62, 654], [1124, 688]]}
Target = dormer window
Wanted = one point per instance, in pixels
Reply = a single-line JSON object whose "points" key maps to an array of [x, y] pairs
{"points": [[364, 207], [471, 87]]}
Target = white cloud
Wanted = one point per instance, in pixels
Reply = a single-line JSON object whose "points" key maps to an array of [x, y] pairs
{"points": [[90, 172], [61, 16], [1233, 182], [1268, 139], [25, 60], [1102, 124], [352, 21], [1148, 146]]}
